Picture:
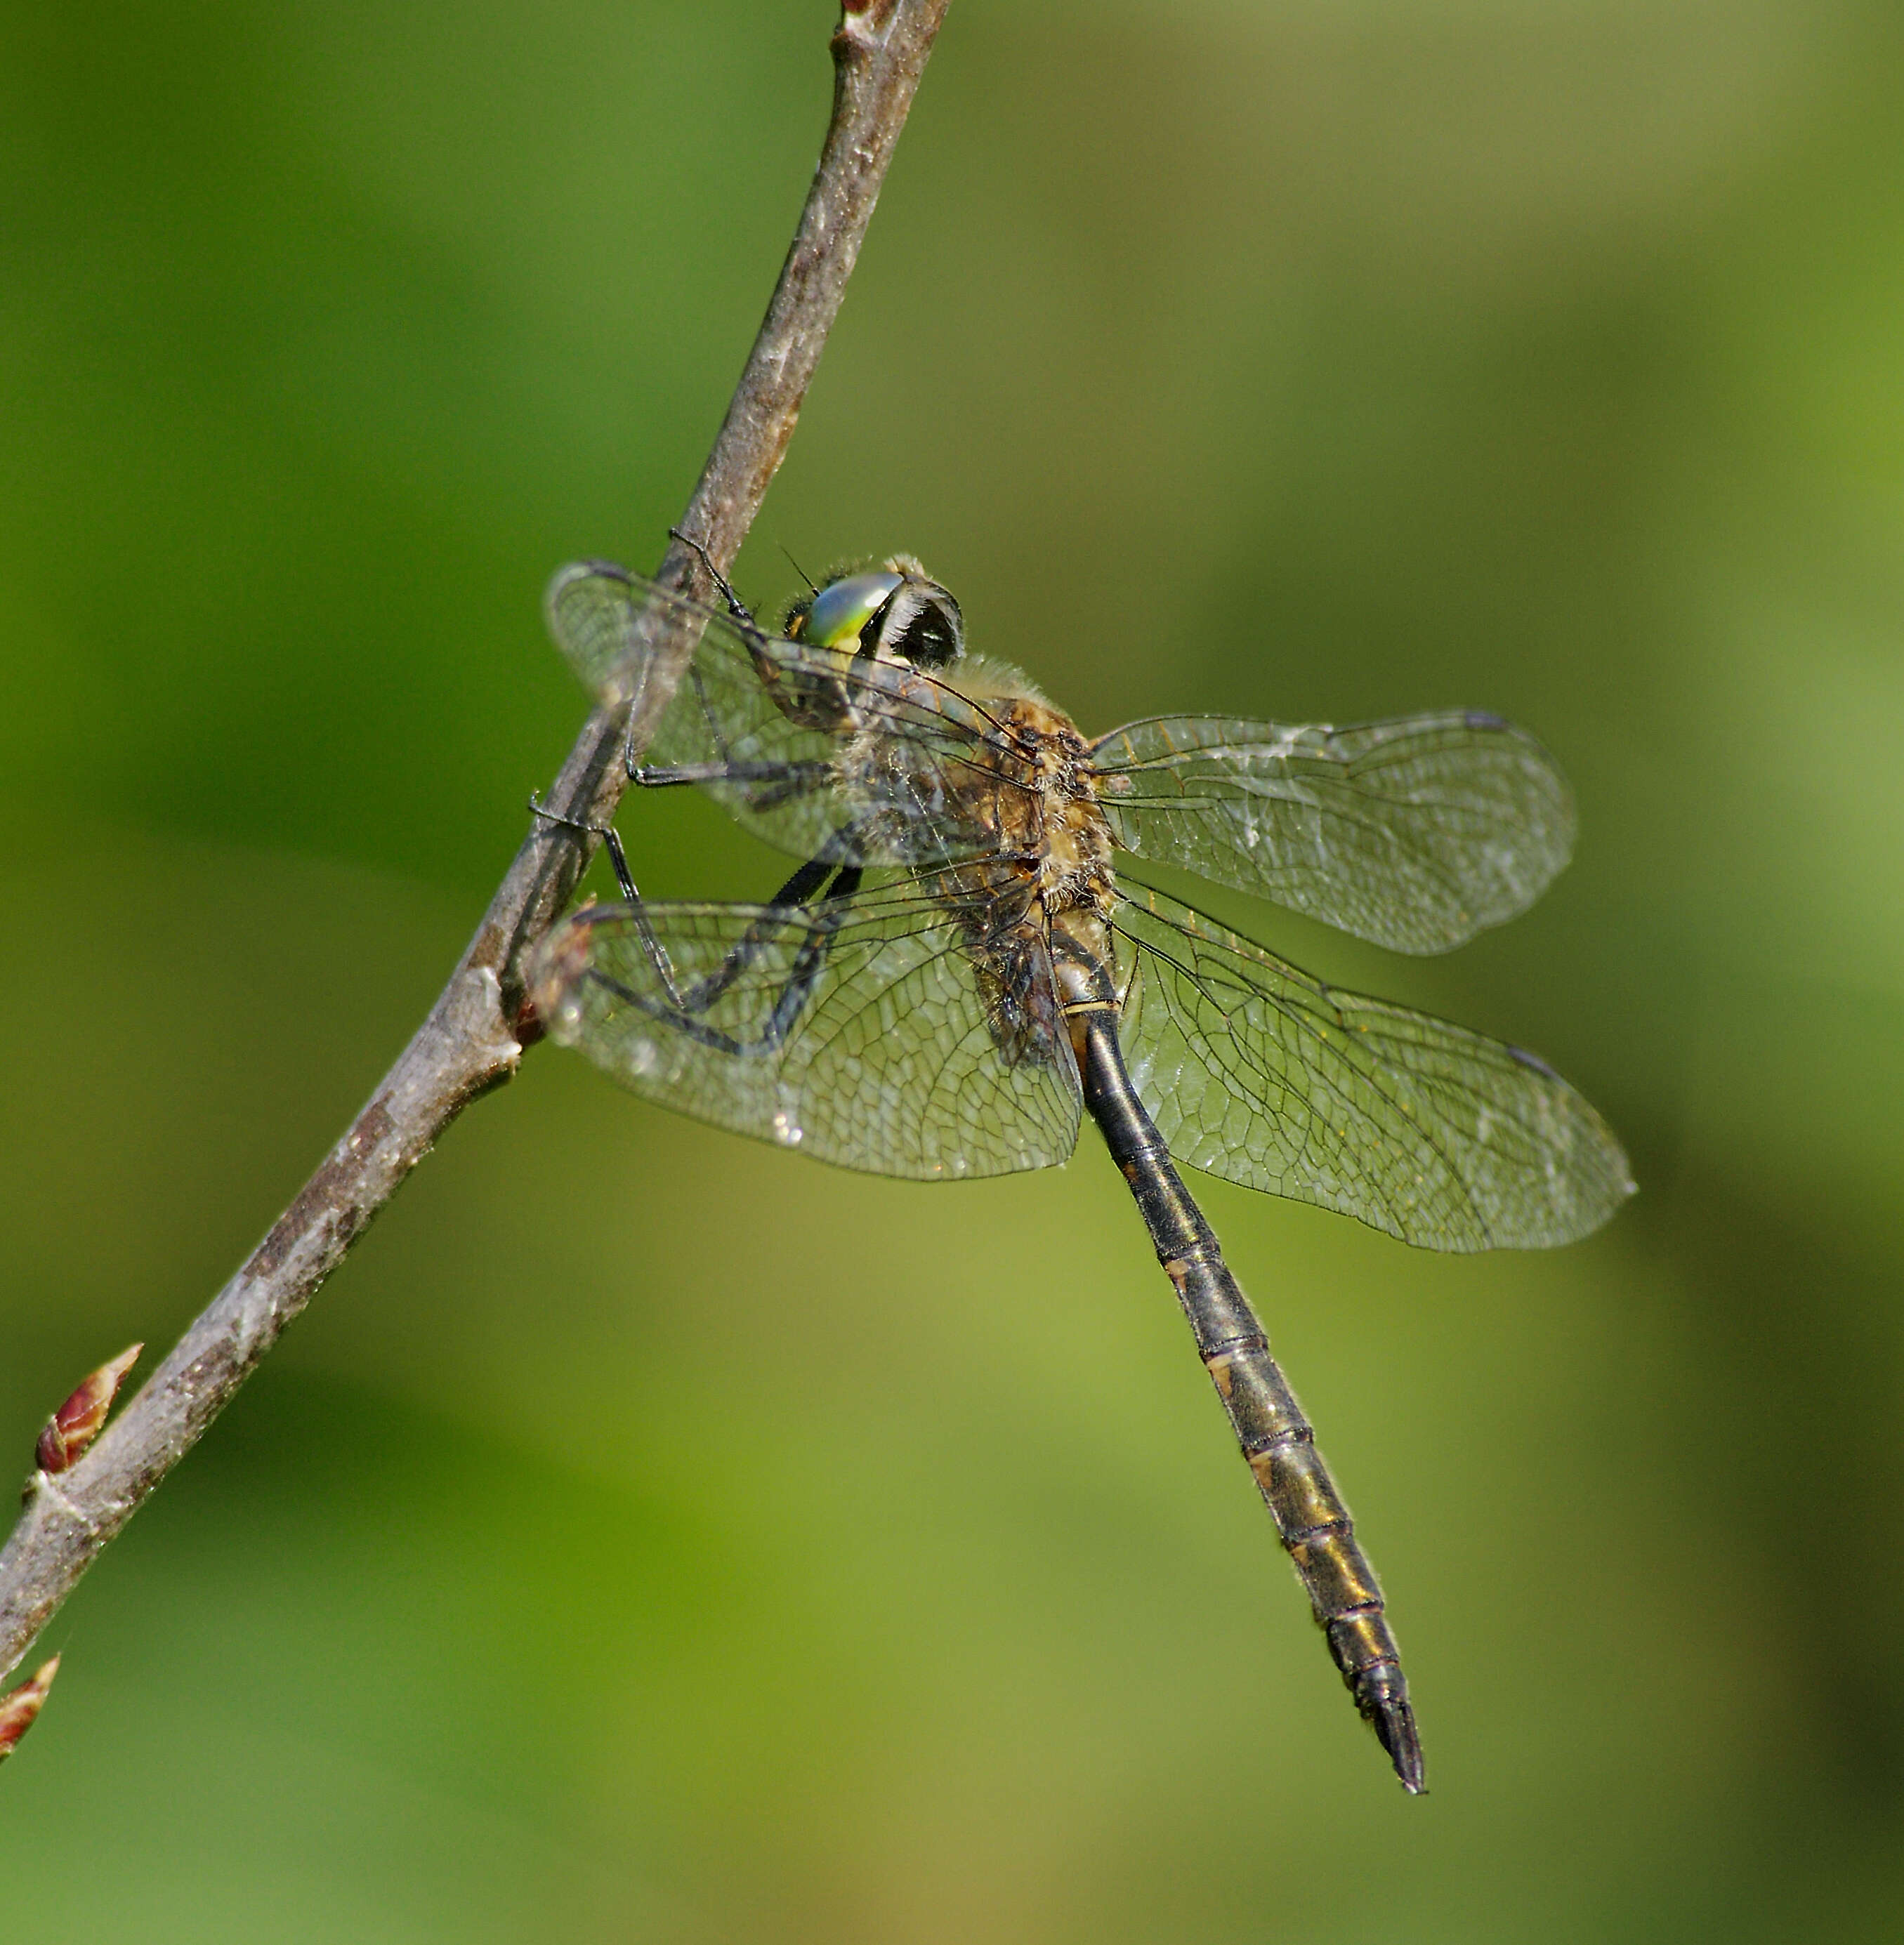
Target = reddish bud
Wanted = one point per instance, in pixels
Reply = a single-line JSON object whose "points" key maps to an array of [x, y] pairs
{"points": [[19, 1706], [75, 1425]]}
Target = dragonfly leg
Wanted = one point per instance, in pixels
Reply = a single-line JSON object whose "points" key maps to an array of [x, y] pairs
{"points": [[640, 773], [631, 896], [789, 780], [607, 833], [687, 1005], [820, 704], [735, 606], [710, 716], [686, 1015], [783, 908], [742, 613]]}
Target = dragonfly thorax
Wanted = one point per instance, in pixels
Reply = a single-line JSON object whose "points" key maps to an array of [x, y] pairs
{"points": [[1063, 828]]}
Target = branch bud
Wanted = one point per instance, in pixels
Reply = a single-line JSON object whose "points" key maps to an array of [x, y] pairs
{"points": [[76, 1424], [20, 1706]]}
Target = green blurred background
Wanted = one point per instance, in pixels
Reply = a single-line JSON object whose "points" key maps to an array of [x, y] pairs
{"points": [[651, 1536]]}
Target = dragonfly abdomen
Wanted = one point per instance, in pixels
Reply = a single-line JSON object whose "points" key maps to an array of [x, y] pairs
{"points": [[1312, 1521], [1277, 1441]]}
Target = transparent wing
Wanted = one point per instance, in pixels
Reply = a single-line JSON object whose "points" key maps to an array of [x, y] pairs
{"points": [[858, 1029], [808, 747], [1257, 1073], [1415, 834]]}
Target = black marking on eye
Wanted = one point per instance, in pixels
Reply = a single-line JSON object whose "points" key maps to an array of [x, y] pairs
{"points": [[929, 643], [925, 627], [871, 637]]}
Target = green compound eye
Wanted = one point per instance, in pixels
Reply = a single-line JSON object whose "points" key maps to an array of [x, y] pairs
{"points": [[898, 612], [841, 610]]}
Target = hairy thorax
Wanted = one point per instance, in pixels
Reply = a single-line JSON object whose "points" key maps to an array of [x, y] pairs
{"points": [[1038, 906]]}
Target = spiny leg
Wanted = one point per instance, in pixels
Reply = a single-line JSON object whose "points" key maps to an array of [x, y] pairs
{"points": [[802, 979], [749, 627], [799, 708], [792, 780], [735, 606], [783, 909], [803, 887], [631, 894]]}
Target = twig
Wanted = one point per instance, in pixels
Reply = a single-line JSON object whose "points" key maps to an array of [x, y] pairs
{"points": [[472, 1039]]}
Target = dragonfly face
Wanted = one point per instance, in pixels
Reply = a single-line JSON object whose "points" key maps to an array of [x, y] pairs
{"points": [[963, 966], [897, 613]]}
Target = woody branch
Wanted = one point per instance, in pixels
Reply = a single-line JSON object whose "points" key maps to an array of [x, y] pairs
{"points": [[474, 1034]]}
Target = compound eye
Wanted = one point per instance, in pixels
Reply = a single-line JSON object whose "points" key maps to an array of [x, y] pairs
{"points": [[842, 609], [923, 626]]}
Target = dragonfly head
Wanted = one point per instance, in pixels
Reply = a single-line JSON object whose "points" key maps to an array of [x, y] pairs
{"points": [[894, 612]]}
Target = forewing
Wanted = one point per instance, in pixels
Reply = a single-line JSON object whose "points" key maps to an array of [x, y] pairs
{"points": [[874, 762], [1257, 1073], [1415, 834], [852, 1029]]}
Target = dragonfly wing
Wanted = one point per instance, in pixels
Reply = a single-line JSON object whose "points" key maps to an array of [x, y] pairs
{"points": [[818, 742], [853, 1029], [1415, 834], [611, 625], [1256, 1072]]}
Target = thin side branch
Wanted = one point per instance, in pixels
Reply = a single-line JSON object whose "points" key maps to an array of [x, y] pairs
{"points": [[473, 1037]]}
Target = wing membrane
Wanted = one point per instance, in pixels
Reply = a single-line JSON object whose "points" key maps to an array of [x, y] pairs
{"points": [[877, 763], [1257, 1073], [1415, 834], [853, 1029]]}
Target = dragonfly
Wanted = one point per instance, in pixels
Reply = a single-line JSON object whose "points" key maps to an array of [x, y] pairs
{"points": [[963, 966]]}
